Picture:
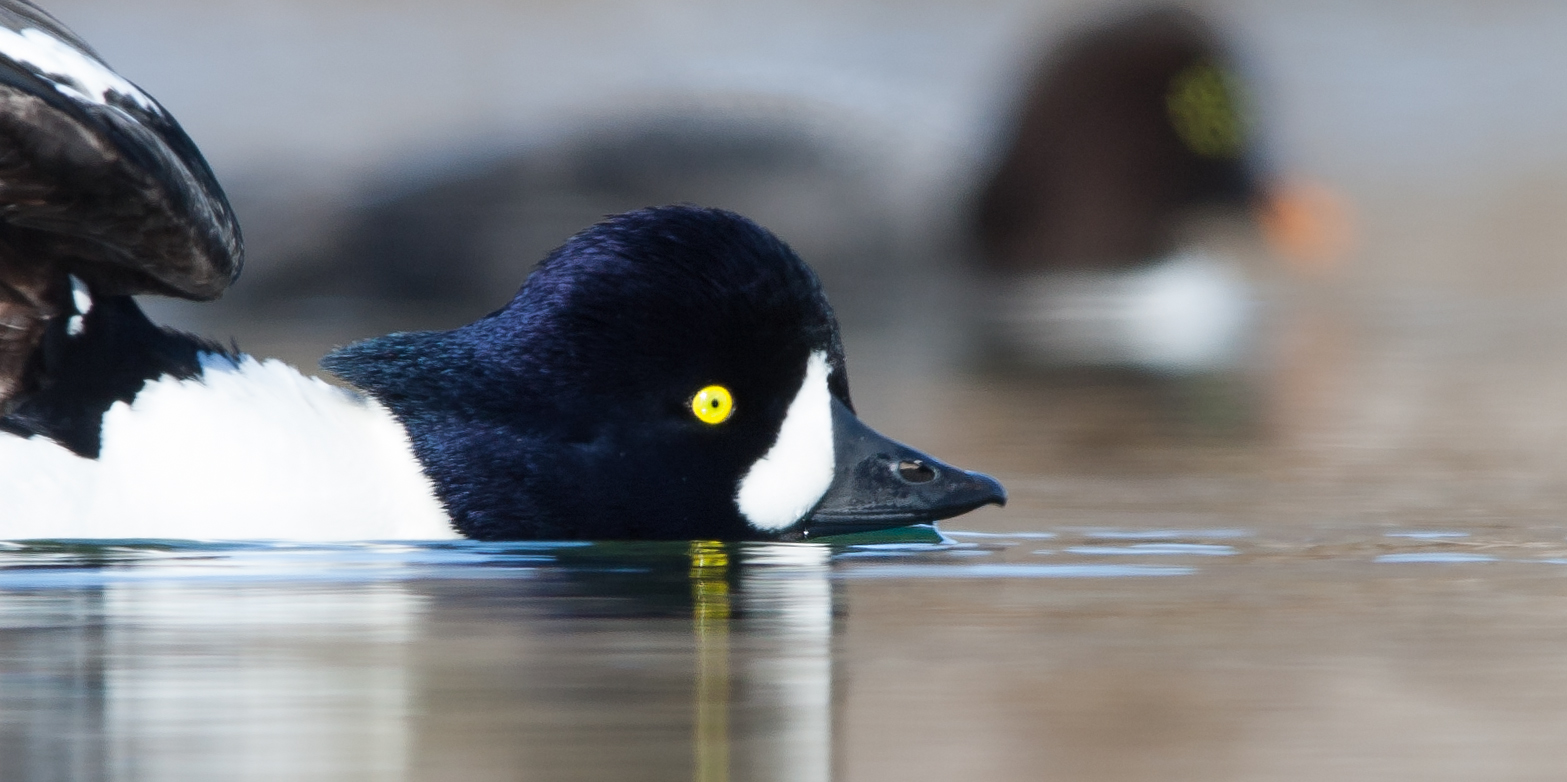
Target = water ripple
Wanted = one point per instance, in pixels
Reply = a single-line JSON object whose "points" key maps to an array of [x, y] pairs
{"points": [[1102, 533], [1434, 556], [1191, 549], [1012, 571]]}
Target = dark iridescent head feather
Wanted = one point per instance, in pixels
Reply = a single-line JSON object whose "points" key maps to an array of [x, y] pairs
{"points": [[565, 414]]}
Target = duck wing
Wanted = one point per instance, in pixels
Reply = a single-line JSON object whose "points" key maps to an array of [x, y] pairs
{"points": [[97, 180]]}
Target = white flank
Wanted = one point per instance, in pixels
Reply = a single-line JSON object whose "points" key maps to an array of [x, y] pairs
{"points": [[1192, 312], [73, 72], [794, 474], [249, 451]]}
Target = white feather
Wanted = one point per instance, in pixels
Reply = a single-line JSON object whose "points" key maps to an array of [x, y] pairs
{"points": [[81, 297], [1189, 313], [782, 486], [73, 72], [250, 450]]}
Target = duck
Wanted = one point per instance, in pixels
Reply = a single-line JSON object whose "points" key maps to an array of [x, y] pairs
{"points": [[673, 372], [1116, 229]]}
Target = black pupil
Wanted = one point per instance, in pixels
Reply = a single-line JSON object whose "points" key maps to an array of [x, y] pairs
{"points": [[915, 471]]}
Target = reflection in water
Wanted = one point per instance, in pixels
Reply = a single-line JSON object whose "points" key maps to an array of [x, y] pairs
{"points": [[185, 681], [984, 658], [786, 665], [257, 683], [710, 614], [788, 604], [406, 662], [51, 686]]}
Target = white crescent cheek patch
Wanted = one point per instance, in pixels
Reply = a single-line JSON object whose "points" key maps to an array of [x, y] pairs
{"points": [[783, 485]]}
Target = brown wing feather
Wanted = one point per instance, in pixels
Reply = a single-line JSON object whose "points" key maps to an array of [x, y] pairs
{"points": [[111, 191]]}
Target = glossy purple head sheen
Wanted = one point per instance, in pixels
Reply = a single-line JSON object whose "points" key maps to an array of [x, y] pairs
{"points": [[567, 413]]}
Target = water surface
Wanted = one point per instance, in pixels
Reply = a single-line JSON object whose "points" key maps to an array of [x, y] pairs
{"points": [[1110, 654], [1353, 565]]}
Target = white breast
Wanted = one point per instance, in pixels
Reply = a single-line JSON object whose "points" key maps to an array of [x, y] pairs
{"points": [[250, 450]]}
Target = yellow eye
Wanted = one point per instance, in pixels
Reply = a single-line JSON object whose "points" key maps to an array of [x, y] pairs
{"points": [[712, 405], [1207, 110]]}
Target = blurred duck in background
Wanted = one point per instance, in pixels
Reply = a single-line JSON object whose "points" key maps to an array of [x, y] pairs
{"points": [[1107, 230], [446, 233]]}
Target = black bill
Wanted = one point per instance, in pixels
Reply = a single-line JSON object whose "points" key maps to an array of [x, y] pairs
{"points": [[879, 483]]}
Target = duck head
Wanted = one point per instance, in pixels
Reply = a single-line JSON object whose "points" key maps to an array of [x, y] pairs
{"points": [[670, 373]]}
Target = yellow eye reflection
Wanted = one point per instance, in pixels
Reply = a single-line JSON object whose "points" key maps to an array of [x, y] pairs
{"points": [[712, 405]]}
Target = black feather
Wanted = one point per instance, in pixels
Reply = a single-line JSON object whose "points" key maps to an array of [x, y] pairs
{"points": [[567, 413], [77, 378]]}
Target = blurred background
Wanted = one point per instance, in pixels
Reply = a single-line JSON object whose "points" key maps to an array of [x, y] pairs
{"points": [[1387, 168], [1292, 270], [407, 163], [409, 153], [1131, 229]]}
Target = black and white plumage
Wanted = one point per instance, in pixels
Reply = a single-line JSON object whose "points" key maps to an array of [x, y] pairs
{"points": [[572, 413], [567, 414], [96, 181]]}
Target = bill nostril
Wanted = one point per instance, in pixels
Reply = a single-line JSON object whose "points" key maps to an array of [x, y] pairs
{"points": [[915, 471]]}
